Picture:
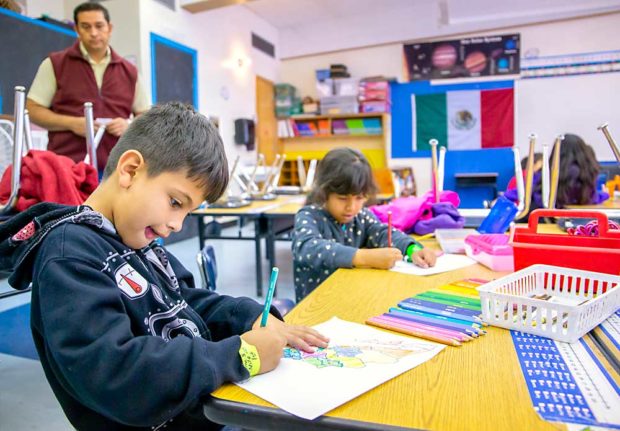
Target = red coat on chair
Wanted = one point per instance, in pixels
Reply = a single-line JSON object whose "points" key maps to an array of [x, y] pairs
{"points": [[49, 177]]}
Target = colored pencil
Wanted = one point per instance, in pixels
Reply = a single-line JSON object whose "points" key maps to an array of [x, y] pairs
{"points": [[435, 322], [389, 233], [442, 299], [458, 316], [459, 334], [466, 291], [474, 325], [442, 307], [452, 333], [415, 332], [464, 299], [269, 298]]}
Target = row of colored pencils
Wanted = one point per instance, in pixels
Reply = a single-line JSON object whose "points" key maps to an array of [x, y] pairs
{"points": [[449, 314]]}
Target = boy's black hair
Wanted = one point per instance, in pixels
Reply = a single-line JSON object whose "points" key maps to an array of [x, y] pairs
{"points": [[173, 137], [90, 6], [343, 171]]}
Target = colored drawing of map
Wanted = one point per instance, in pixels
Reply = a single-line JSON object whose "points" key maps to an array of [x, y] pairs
{"points": [[356, 355]]}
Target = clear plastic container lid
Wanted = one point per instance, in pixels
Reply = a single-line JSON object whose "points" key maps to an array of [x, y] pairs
{"points": [[495, 244]]}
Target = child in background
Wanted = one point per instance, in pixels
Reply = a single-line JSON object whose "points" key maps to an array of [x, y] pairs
{"points": [[538, 162], [124, 338], [577, 177], [334, 230]]}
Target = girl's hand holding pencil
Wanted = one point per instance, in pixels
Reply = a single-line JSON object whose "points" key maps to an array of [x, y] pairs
{"points": [[380, 258], [424, 258]]}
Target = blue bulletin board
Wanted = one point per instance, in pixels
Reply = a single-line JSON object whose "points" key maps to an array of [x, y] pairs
{"points": [[173, 71]]}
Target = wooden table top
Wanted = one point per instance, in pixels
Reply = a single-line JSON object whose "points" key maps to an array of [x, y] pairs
{"points": [[478, 386], [608, 204], [256, 207]]}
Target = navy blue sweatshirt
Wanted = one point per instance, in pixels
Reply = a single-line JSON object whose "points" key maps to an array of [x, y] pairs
{"points": [[124, 338], [321, 244]]}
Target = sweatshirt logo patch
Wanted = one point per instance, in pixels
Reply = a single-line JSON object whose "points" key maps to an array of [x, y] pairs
{"points": [[25, 233], [130, 281]]}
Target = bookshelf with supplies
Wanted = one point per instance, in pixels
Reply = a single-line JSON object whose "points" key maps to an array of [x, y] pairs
{"points": [[312, 136]]}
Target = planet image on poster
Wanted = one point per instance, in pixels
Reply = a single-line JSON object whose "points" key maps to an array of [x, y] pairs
{"points": [[444, 56], [475, 62]]}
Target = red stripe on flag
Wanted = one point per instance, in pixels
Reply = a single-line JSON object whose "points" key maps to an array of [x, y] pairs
{"points": [[497, 118]]}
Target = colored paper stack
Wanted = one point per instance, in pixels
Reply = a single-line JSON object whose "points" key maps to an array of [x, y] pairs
{"points": [[449, 315], [374, 95]]}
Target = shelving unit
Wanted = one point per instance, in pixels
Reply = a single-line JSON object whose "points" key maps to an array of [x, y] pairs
{"points": [[311, 137]]}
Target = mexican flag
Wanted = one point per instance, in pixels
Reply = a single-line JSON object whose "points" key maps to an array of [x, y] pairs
{"points": [[463, 120]]}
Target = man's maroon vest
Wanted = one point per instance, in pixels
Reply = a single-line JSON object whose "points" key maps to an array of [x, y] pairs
{"points": [[76, 84]]}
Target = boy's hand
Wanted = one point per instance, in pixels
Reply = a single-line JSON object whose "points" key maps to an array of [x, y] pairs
{"points": [[381, 258], [424, 258], [299, 337], [269, 345]]}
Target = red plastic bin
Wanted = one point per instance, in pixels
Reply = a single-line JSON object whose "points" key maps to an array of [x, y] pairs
{"points": [[591, 253]]}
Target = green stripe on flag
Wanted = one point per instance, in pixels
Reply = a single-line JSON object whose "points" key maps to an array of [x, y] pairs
{"points": [[431, 120]]}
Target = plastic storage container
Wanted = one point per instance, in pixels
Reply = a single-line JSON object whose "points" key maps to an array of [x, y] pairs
{"points": [[591, 253], [453, 240], [491, 250], [574, 301]]}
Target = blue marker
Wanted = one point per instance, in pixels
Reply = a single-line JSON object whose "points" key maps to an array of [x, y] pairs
{"points": [[272, 288]]}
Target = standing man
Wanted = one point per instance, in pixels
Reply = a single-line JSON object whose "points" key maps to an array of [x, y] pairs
{"points": [[87, 71]]}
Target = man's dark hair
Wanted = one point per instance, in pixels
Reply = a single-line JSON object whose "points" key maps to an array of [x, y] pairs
{"points": [[89, 6], [174, 137]]}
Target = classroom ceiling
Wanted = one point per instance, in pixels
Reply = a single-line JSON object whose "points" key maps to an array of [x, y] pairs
{"points": [[308, 27], [292, 13], [345, 23]]}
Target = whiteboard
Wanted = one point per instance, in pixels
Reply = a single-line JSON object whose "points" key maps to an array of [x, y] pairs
{"points": [[571, 104]]}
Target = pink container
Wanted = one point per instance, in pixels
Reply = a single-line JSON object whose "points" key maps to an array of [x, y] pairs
{"points": [[491, 250]]}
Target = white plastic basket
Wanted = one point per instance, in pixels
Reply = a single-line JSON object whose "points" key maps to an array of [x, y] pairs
{"points": [[508, 302]]}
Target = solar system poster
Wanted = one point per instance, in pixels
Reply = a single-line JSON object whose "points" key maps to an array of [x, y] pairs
{"points": [[463, 58]]}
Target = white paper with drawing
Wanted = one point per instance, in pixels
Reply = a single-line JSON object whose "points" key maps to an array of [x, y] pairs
{"points": [[358, 359], [445, 263]]}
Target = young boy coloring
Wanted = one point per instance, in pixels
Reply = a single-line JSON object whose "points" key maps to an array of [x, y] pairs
{"points": [[124, 338]]}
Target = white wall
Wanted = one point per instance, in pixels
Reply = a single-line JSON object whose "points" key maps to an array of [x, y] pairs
{"points": [[52, 8], [221, 37], [546, 106]]}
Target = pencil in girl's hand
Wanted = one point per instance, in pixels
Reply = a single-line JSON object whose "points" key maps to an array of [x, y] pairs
{"points": [[389, 236]]}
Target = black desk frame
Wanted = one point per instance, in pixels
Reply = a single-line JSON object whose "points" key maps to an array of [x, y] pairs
{"points": [[254, 417], [260, 232]]}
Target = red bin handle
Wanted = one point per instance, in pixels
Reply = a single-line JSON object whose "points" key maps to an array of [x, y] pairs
{"points": [[601, 218]]}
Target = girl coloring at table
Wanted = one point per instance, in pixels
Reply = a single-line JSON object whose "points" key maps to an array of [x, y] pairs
{"points": [[334, 230]]}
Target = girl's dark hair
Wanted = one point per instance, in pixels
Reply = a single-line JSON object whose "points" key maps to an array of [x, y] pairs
{"points": [[579, 171], [343, 171]]}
